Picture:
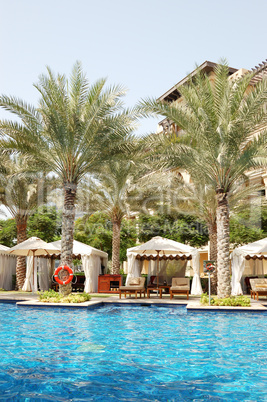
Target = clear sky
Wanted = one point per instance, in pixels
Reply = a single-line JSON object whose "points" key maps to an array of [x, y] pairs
{"points": [[146, 45]]}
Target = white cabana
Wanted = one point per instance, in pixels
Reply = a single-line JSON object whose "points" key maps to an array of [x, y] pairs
{"points": [[7, 268], [31, 248], [248, 260], [92, 259], [171, 257]]}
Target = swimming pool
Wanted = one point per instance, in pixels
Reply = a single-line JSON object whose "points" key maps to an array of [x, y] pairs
{"points": [[124, 353]]}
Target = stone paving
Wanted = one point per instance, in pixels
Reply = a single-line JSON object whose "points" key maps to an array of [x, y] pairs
{"points": [[28, 299]]}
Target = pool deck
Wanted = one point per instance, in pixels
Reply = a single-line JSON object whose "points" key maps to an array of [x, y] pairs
{"points": [[26, 299]]}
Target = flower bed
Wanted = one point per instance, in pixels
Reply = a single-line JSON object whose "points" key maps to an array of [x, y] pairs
{"points": [[233, 301], [50, 296]]}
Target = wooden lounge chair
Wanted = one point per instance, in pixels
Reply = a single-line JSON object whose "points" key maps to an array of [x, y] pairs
{"points": [[247, 283], [136, 285], [258, 287], [180, 286]]}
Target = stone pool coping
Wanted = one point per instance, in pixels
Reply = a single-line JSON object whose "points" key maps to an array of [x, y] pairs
{"points": [[193, 304], [196, 306]]}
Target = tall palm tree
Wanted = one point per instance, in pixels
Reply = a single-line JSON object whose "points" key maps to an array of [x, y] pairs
{"points": [[196, 198], [218, 118], [74, 129], [19, 194], [117, 192]]}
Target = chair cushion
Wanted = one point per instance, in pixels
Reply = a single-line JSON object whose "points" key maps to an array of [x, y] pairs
{"points": [[183, 287], [180, 282], [257, 282], [134, 281], [136, 287]]}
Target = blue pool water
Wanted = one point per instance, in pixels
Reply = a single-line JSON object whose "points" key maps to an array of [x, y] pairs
{"points": [[131, 354]]}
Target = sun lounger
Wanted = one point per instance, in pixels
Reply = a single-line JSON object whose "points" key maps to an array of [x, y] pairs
{"points": [[258, 287], [135, 286], [180, 286]]}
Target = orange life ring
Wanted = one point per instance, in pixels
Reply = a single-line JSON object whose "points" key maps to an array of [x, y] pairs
{"points": [[66, 268]]}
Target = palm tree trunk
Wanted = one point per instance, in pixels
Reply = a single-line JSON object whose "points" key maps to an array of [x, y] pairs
{"points": [[116, 238], [212, 228], [68, 216], [21, 223], [223, 244]]}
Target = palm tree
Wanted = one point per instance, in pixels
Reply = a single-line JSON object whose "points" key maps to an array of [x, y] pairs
{"points": [[117, 192], [196, 198], [19, 194], [75, 128], [218, 118]]}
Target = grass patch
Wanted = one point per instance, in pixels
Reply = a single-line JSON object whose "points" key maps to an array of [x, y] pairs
{"points": [[50, 296], [233, 301]]}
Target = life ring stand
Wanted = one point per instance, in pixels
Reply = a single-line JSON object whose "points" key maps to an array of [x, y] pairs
{"points": [[66, 268]]}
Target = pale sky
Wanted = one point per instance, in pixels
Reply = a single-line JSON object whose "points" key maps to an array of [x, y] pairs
{"points": [[146, 45]]}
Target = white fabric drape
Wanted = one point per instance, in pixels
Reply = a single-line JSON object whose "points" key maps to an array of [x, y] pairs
{"points": [[238, 266], [30, 283], [238, 262], [168, 269], [196, 288], [258, 267], [152, 269], [29, 271], [34, 277], [105, 262], [51, 270], [92, 269], [134, 268], [7, 269], [44, 273]]}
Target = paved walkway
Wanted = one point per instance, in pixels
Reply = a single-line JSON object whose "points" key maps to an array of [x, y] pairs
{"points": [[27, 299]]}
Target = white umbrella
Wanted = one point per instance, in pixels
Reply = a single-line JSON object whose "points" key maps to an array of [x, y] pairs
{"points": [[32, 247]]}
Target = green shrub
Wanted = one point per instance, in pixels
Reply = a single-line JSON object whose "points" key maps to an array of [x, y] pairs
{"points": [[232, 301], [50, 296]]}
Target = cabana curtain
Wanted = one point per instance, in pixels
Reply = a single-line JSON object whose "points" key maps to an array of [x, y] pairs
{"points": [[167, 269], [30, 284], [7, 269], [46, 267], [92, 268], [256, 251]]}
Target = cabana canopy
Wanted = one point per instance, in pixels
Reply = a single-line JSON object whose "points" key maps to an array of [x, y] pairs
{"points": [[164, 250], [3, 249], [255, 251], [31, 248], [80, 249], [92, 259]]}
